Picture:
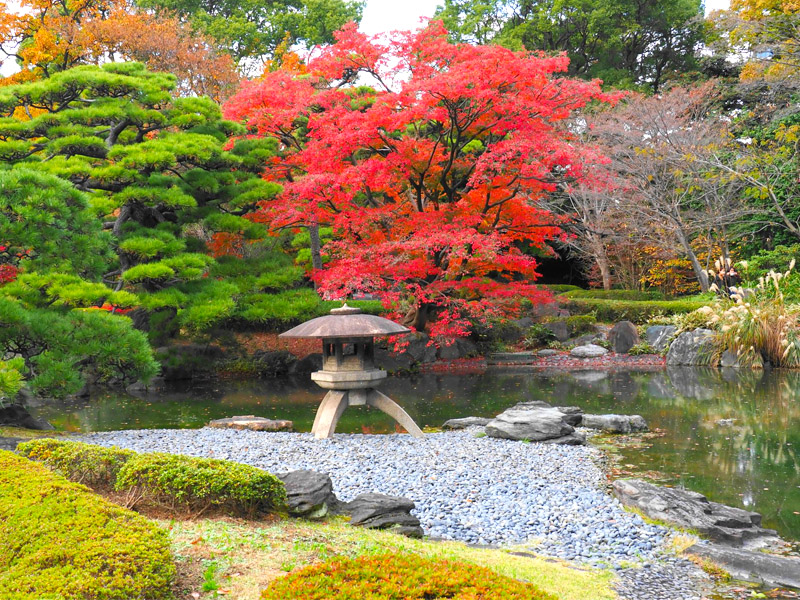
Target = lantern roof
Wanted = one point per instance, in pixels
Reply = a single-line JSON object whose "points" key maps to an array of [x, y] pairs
{"points": [[346, 322]]}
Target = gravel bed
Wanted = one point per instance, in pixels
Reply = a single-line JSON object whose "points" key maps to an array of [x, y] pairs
{"points": [[668, 578], [479, 490]]}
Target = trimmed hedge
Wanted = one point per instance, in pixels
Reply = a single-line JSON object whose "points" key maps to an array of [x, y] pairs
{"points": [[200, 483], [166, 479], [391, 576], [559, 288], [58, 541], [635, 295], [621, 310], [93, 465]]}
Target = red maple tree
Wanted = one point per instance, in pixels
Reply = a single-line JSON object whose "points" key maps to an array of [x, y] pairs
{"points": [[428, 159]]}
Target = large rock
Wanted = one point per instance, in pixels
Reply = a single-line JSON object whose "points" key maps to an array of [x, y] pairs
{"points": [[623, 336], [573, 415], [393, 362], [559, 330], [460, 348], [691, 348], [188, 361], [273, 363], [782, 571], [420, 349], [659, 336], [252, 423], [309, 494], [729, 359], [533, 421], [9, 443], [588, 351], [308, 364], [378, 511], [615, 423], [720, 523], [16, 415], [465, 422], [513, 358]]}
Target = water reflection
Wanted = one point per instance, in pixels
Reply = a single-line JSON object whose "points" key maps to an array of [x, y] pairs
{"points": [[750, 459]]}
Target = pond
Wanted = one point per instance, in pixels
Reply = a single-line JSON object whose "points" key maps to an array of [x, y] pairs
{"points": [[750, 462]]}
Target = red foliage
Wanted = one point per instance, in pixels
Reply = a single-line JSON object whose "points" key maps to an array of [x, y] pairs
{"points": [[8, 273], [431, 179], [224, 243]]}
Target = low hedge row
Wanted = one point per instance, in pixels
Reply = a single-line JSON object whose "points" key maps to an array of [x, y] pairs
{"points": [[621, 310], [59, 541], [391, 576], [166, 479], [635, 295]]}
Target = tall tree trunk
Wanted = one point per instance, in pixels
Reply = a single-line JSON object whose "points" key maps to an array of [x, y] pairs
{"points": [[699, 272], [601, 260], [316, 254]]}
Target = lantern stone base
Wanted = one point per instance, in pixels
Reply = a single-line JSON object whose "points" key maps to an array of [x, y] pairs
{"points": [[336, 401], [348, 380]]}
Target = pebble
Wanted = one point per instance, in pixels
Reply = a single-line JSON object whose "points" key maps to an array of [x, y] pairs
{"points": [[548, 499]]}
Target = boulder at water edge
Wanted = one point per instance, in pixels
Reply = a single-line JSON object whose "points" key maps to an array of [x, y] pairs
{"points": [[252, 423], [465, 422], [683, 508], [588, 351], [535, 422], [623, 336], [615, 423], [659, 336], [691, 348]]}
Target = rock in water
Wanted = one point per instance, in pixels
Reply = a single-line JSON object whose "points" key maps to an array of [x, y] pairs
{"points": [[659, 336], [309, 494], [252, 423], [623, 336], [533, 421], [721, 523], [692, 348], [783, 571], [615, 423], [588, 351], [465, 422], [16, 415], [378, 511], [573, 415]]}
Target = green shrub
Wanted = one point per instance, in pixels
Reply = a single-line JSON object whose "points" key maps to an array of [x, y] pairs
{"points": [[538, 335], [406, 576], [579, 324], [622, 310], [200, 483], [559, 288], [642, 348], [635, 295], [58, 541], [84, 463]]}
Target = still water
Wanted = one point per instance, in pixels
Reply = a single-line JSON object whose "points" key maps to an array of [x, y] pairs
{"points": [[750, 462]]}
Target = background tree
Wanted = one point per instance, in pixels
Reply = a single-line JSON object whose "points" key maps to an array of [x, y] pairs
{"points": [[624, 42], [49, 36], [252, 30], [433, 186], [660, 148]]}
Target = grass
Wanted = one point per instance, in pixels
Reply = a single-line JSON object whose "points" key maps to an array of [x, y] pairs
{"points": [[249, 555], [27, 434]]}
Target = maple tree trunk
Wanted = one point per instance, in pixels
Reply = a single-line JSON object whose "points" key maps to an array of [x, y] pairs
{"points": [[316, 254], [699, 272], [418, 317]]}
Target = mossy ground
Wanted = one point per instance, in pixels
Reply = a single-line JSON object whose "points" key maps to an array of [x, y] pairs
{"points": [[240, 558]]}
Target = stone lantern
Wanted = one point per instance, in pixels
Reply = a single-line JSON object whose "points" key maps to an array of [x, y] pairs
{"points": [[348, 366]]}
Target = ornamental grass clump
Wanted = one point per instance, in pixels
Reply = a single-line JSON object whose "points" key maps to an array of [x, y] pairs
{"points": [[758, 324], [60, 541], [391, 576]]}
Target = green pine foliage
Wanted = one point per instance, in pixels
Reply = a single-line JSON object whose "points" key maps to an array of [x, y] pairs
{"points": [[60, 541], [64, 348], [11, 379], [408, 576], [46, 224]]}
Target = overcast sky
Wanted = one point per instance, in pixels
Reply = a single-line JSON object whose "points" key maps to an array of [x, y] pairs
{"points": [[392, 15]]}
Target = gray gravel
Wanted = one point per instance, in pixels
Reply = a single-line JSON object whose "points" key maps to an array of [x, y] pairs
{"points": [[668, 578], [479, 490]]}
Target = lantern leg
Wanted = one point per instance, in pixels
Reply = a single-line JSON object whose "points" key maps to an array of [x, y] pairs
{"points": [[328, 414], [394, 410]]}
